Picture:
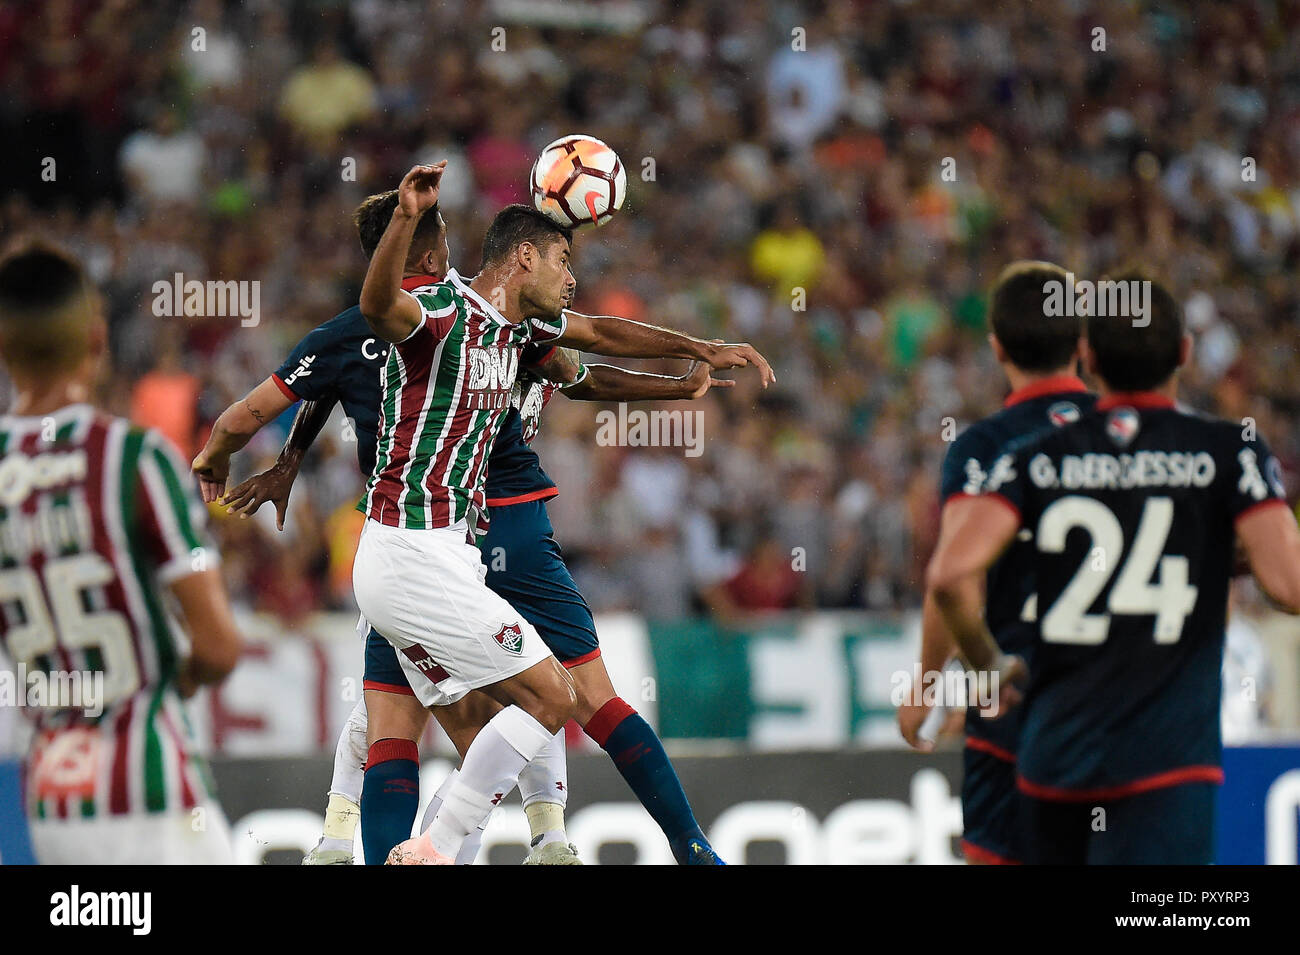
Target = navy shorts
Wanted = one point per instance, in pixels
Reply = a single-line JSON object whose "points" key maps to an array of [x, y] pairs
{"points": [[1169, 826], [525, 567], [989, 805]]}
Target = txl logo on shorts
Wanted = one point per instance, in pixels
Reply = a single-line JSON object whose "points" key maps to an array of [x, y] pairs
{"points": [[511, 638], [425, 663]]}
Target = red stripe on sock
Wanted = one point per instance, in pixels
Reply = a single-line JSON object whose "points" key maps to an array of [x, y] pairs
{"points": [[385, 750], [606, 720]]}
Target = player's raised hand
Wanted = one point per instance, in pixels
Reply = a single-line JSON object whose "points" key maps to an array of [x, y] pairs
{"points": [[273, 484], [419, 188], [700, 377], [212, 471], [739, 355]]}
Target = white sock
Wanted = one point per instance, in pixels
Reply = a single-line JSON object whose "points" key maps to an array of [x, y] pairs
{"points": [[469, 848], [343, 812], [544, 786], [490, 770]]}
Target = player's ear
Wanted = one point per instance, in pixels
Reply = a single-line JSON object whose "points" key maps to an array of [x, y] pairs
{"points": [[527, 255], [1185, 350], [427, 263]]}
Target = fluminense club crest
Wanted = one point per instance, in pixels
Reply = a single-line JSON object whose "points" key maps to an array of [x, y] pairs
{"points": [[511, 638]]}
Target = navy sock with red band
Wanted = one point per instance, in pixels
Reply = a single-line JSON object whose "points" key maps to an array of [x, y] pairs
{"points": [[390, 796]]}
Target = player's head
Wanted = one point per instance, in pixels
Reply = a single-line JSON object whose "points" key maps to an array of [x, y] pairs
{"points": [[51, 318], [429, 254], [1024, 333], [532, 251], [1128, 352]]}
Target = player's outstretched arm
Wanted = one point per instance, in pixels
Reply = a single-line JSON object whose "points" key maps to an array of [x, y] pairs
{"points": [[214, 640], [1271, 540], [624, 338], [232, 430], [276, 482], [611, 383], [391, 312], [980, 530]]}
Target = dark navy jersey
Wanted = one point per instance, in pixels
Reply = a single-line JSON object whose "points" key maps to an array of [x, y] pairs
{"points": [[340, 361], [1027, 413], [514, 471], [1132, 511]]}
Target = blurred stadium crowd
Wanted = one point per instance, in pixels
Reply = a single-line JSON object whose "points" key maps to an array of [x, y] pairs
{"points": [[785, 164]]}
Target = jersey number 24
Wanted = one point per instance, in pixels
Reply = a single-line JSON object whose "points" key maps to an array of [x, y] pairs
{"points": [[1170, 600]]}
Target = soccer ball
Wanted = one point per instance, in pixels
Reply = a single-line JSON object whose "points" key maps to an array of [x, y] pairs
{"points": [[578, 180]]}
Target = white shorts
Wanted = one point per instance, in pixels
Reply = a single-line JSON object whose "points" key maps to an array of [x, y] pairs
{"points": [[424, 591], [165, 838]]}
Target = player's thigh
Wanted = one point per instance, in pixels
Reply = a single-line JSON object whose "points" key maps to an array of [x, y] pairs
{"points": [[424, 591], [544, 691], [526, 567], [1170, 826], [990, 808], [462, 720], [1053, 833], [593, 686], [393, 712]]}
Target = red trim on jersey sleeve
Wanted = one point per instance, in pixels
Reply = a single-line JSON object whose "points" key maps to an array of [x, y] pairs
{"points": [[995, 496], [545, 494], [387, 687], [1268, 502], [1135, 399], [974, 853], [1045, 386], [984, 746], [1172, 777], [579, 661], [418, 281], [284, 389]]}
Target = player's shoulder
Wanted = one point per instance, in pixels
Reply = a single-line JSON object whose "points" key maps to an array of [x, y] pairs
{"points": [[345, 326], [442, 294]]}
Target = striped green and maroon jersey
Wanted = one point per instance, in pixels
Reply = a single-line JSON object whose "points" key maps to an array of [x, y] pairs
{"points": [[96, 517], [446, 389]]}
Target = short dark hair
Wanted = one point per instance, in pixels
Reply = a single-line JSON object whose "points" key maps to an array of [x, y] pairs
{"points": [[373, 215], [516, 224], [37, 277], [45, 307], [1137, 357], [1033, 340]]}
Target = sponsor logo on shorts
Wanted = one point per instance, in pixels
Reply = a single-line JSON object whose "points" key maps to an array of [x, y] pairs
{"points": [[511, 638]]}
